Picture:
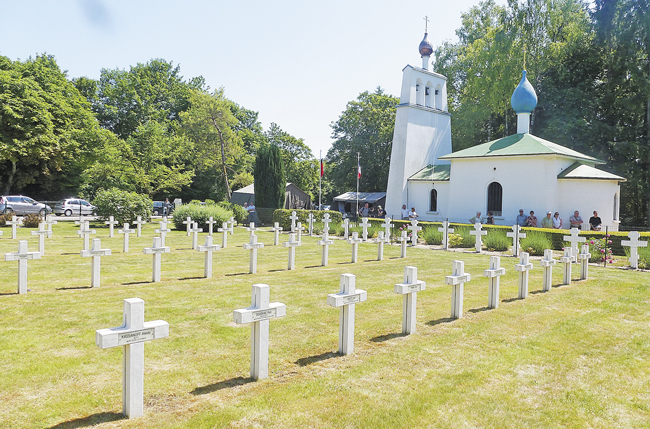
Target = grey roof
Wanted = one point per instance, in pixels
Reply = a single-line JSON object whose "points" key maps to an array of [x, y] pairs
{"points": [[366, 197]]}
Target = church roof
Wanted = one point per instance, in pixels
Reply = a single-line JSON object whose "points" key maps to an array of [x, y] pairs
{"points": [[582, 171], [432, 173], [520, 145]]}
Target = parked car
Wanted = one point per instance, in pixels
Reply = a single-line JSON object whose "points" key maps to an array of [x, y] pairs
{"points": [[74, 206], [161, 208], [21, 205]]}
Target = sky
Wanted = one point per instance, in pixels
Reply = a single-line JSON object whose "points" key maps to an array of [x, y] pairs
{"points": [[297, 63]]}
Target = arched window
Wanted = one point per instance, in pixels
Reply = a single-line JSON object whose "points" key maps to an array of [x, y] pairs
{"points": [[438, 97], [433, 202], [494, 198], [428, 95], [419, 93], [615, 216]]}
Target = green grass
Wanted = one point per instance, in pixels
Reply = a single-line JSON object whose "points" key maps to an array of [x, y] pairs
{"points": [[573, 357]]}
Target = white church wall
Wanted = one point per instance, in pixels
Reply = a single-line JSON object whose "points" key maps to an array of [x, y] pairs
{"points": [[586, 196], [419, 196]]}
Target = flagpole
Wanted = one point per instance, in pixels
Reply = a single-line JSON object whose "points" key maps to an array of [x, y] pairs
{"points": [[358, 166], [320, 180]]}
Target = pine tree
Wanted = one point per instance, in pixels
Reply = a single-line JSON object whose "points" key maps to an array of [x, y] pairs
{"points": [[270, 181]]}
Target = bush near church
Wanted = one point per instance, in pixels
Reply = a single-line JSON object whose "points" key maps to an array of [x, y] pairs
{"points": [[282, 217], [124, 206], [200, 214], [239, 213]]}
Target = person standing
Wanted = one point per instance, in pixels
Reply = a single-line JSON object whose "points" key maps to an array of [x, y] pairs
{"points": [[576, 220], [365, 211], [490, 219], [557, 221], [413, 214], [595, 222], [531, 221], [521, 218], [405, 212], [547, 222], [476, 219], [251, 213]]}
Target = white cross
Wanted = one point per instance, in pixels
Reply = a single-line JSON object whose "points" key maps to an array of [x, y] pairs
{"points": [[42, 232], [403, 239], [163, 231], [292, 244], [80, 221], [276, 233], [522, 268], [346, 228], [574, 240], [633, 243], [139, 222], [494, 273], [85, 232], [516, 235], [210, 223], [445, 234], [126, 231], [251, 228], [224, 238], [156, 250], [478, 232], [299, 229], [111, 222], [346, 299], [195, 234], [310, 223], [380, 244], [22, 256], [457, 279], [547, 265], [387, 227], [259, 314], [49, 221], [326, 225], [188, 223], [132, 335], [253, 245], [293, 218], [96, 253], [409, 289], [354, 241], [325, 242], [14, 222], [364, 225], [208, 248], [567, 260], [583, 257], [414, 228], [231, 225]]}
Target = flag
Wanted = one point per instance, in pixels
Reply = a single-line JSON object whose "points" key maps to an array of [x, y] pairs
{"points": [[358, 170], [322, 168]]}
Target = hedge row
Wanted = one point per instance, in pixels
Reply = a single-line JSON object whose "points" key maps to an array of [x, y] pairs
{"points": [[200, 214], [282, 217]]}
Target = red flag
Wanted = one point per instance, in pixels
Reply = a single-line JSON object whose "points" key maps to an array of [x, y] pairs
{"points": [[322, 168], [359, 170]]}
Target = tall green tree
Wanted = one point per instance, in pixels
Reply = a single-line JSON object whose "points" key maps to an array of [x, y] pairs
{"points": [[365, 127], [270, 180]]}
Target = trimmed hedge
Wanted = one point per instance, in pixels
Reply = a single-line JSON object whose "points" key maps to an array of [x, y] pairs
{"points": [[124, 206], [282, 217], [200, 214]]}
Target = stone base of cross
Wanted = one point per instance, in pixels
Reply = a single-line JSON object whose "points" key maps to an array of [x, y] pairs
{"points": [[633, 243], [409, 289], [567, 261], [574, 240], [96, 252], [22, 256], [253, 245], [354, 241], [445, 234], [547, 265], [516, 235], [457, 280], [346, 300], [156, 250], [258, 315], [132, 335], [523, 267], [403, 239], [208, 248], [494, 274], [478, 232], [583, 258]]}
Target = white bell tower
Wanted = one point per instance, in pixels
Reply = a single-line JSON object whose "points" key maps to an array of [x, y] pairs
{"points": [[422, 128]]}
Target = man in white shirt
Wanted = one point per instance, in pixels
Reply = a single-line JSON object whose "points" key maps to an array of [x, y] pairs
{"points": [[405, 212], [413, 214]]}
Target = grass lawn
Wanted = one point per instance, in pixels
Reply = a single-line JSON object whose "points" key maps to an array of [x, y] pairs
{"points": [[574, 357]]}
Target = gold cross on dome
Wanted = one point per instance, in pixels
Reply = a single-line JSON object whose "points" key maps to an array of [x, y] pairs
{"points": [[426, 23]]}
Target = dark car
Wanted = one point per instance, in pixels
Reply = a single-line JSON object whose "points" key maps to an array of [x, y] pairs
{"points": [[162, 208], [22, 205]]}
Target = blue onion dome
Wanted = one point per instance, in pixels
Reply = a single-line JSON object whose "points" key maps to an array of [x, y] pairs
{"points": [[426, 49], [524, 99]]}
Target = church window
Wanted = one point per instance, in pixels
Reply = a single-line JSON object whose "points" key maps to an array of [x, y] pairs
{"points": [[615, 215], [419, 93], [438, 98], [428, 95], [433, 202], [494, 198]]}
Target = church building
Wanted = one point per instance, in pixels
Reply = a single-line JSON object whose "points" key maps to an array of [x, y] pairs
{"points": [[520, 171]]}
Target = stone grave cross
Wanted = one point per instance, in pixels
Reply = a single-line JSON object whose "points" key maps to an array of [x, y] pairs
{"points": [[224, 238], [132, 335], [522, 268], [293, 218], [208, 248], [346, 300], [403, 239], [633, 243], [380, 245], [387, 227], [156, 250], [259, 314], [139, 222], [310, 223], [583, 257], [364, 225], [96, 253], [457, 279], [42, 232], [574, 239], [346, 228], [276, 233], [478, 232], [22, 256], [195, 234], [251, 228], [188, 223], [14, 222], [49, 222], [414, 228], [111, 222], [325, 242], [292, 244], [231, 225], [547, 265], [409, 289], [354, 241], [163, 231], [445, 234], [566, 260], [126, 231], [253, 245], [516, 235], [210, 223], [299, 229], [85, 231], [494, 273], [326, 226]]}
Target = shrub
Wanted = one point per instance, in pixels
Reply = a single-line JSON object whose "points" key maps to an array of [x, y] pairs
{"points": [[124, 206], [209, 202], [282, 217], [200, 214], [644, 258], [372, 230], [535, 243], [600, 249], [31, 220], [238, 211], [3, 220], [467, 240], [455, 240], [496, 241], [432, 236], [195, 202]]}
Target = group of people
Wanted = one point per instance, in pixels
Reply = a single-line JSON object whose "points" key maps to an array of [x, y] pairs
{"points": [[408, 215], [367, 211], [575, 221], [250, 209]]}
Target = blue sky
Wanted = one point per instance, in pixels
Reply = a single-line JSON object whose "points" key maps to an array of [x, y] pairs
{"points": [[295, 62]]}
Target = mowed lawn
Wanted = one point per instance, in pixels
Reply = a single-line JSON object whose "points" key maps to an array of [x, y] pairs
{"points": [[574, 357]]}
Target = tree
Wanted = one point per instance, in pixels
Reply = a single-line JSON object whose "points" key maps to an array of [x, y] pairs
{"points": [[299, 164], [270, 180], [366, 127]]}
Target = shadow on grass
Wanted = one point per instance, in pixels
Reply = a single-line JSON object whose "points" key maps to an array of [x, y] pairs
{"points": [[191, 278], [277, 271], [71, 253], [512, 299], [317, 358], [314, 266], [136, 283], [371, 260], [535, 292], [439, 321], [91, 420], [382, 338], [184, 248], [233, 382], [396, 257], [74, 287], [346, 263], [479, 310], [8, 293], [237, 274]]}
